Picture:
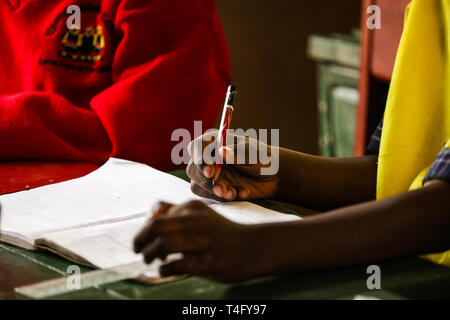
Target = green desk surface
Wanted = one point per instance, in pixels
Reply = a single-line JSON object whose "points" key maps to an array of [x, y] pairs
{"points": [[409, 278]]}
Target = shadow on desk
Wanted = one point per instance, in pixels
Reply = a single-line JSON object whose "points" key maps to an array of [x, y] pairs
{"points": [[412, 278]]}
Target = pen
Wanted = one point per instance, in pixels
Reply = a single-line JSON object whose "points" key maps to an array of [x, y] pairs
{"points": [[225, 123]]}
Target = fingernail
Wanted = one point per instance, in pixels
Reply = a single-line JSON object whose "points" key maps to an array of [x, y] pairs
{"points": [[207, 171], [218, 191], [244, 194], [229, 195], [155, 208]]}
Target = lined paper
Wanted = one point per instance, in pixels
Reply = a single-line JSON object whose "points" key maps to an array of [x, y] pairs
{"points": [[118, 190], [110, 245], [97, 216], [248, 213], [104, 246]]}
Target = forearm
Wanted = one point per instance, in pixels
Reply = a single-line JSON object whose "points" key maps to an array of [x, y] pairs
{"points": [[45, 125], [416, 222], [322, 183]]}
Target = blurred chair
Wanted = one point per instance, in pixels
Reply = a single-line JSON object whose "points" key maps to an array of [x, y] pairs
{"points": [[378, 51]]}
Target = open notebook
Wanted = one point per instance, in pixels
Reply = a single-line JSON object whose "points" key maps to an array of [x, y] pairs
{"points": [[93, 220]]}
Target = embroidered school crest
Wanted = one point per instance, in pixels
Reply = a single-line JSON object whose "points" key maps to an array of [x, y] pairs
{"points": [[89, 49], [83, 45]]}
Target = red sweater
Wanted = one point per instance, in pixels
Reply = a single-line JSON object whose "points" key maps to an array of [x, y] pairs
{"points": [[135, 71]]}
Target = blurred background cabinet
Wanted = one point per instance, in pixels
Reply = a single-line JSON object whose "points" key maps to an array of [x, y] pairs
{"points": [[338, 61], [276, 79], [279, 84]]}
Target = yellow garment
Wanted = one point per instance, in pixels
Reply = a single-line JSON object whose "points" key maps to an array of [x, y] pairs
{"points": [[417, 118]]}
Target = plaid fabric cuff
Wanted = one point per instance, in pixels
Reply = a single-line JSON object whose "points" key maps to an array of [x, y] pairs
{"points": [[440, 168], [374, 144]]}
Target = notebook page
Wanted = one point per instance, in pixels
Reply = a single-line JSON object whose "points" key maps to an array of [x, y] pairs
{"points": [[110, 245], [103, 246], [118, 190], [248, 213]]}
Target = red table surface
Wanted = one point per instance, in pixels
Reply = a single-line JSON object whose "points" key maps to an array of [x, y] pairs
{"points": [[18, 176]]}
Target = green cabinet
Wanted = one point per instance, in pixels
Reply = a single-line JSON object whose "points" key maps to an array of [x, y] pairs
{"points": [[337, 58]]}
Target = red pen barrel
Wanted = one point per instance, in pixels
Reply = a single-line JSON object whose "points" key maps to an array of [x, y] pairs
{"points": [[222, 138]]}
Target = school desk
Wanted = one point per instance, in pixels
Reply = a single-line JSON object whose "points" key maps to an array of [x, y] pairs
{"points": [[407, 278]]}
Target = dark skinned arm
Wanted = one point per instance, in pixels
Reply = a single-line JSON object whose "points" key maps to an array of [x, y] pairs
{"points": [[322, 183], [318, 183], [415, 222], [411, 223]]}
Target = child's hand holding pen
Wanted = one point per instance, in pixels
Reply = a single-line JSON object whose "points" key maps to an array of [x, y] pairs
{"points": [[235, 181], [235, 171]]}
